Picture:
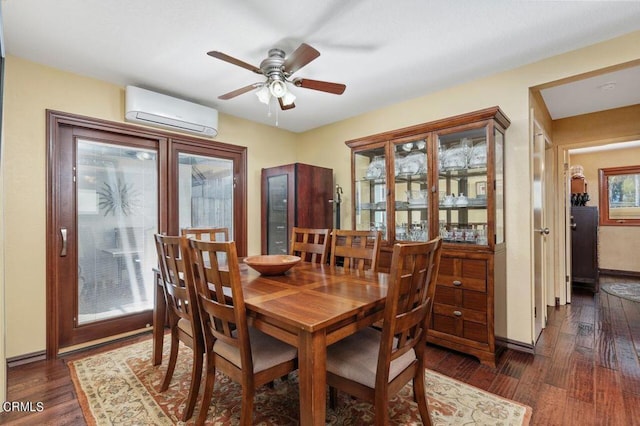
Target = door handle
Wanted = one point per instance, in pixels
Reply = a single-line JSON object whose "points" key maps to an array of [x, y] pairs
{"points": [[574, 225], [63, 235], [543, 231]]}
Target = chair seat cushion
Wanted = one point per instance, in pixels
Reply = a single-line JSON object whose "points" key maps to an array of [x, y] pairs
{"points": [[266, 351], [185, 325], [356, 358]]}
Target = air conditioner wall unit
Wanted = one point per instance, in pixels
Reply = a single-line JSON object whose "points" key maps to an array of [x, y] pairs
{"points": [[155, 109]]}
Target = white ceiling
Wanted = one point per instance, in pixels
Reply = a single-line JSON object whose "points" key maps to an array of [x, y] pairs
{"points": [[601, 92], [384, 51]]}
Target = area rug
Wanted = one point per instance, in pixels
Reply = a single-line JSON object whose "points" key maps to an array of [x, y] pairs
{"points": [[120, 387], [630, 291]]}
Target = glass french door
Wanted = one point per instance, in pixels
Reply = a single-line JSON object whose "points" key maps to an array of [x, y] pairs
{"points": [[205, 192], [117, 216], [111, 187], [104, 211]]}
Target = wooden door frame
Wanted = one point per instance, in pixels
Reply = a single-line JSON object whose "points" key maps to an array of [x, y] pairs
{"points": [[54, 121]]}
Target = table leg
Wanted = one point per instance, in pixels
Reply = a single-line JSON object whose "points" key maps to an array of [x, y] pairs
{"points": [[312, 365], [159, 318]]}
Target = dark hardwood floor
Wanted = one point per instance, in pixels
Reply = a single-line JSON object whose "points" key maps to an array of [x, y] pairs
{"points": [[586, 370]]}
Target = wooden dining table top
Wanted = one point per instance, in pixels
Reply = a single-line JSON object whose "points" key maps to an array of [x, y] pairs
{"points": [[311, 296], [310, 306]]}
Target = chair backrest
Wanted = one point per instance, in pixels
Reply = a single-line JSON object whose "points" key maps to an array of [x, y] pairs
{"points": [[407, 313], [180, 298], [312, 245], [219, 292], [206, 234], [357, 249]]}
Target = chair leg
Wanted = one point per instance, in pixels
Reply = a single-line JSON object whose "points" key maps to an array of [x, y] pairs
{"points": [[208, 389], [420, 395], [381, 406], [196, 376], [173, 356], [246, 411], [333, 397]]}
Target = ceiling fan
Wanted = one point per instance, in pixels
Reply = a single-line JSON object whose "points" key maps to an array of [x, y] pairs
{"points": [[278, 69]]}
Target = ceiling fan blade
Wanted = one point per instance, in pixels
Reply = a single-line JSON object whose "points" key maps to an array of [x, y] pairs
{"points": [[240, 91], [234, 61], [299, 58], [286, 107], [323, 86]]}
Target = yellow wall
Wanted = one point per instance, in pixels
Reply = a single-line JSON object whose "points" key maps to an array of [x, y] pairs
{"points": [[510, 91], [3, 370], [31, 88], [615, 243], [621, 124]]}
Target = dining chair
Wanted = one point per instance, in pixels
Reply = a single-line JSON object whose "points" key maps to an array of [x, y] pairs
{"points": [[312, 245], [206, 234], [243, 353], [183, 315], [375, 364], [356, 249]]}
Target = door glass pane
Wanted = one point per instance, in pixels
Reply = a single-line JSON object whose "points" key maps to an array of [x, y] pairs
{"points": [[462, 186], [499, 192], [117, 215], [411, 202], [371, 190], [205, 192], [277, 234]]}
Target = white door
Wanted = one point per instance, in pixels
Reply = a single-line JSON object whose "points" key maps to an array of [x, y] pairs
{"points": [[540, 231]]}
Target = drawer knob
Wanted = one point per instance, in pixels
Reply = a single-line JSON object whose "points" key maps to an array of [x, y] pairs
{"points": [[457, 283], [457, 313]]}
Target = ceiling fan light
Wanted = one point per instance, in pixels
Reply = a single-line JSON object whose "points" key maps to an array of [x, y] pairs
{"points": [[278, 88], [288, 98], [264, 95]]}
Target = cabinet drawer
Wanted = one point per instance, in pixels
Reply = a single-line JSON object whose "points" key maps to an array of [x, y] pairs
{"points": [[458, 297], [467, 323], [470, 274]]}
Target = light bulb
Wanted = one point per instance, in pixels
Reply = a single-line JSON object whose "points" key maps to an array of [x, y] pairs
{"points": [[278, 88]]}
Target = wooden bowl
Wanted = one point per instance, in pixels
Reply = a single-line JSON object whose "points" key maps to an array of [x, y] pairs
{"points": [[272, 264]]}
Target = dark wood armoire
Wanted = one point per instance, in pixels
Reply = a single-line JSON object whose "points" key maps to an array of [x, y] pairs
{"points": [[584, 247], [294, 195]]}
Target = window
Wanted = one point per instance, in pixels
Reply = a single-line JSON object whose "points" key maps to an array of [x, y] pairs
{"points": [[620, 196]]}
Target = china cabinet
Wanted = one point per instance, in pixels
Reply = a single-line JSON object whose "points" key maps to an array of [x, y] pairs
{"points": [[442, 178], [294, 195]]}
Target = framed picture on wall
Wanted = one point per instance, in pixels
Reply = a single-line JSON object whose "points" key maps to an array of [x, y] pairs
{"points": [[481, 189]]}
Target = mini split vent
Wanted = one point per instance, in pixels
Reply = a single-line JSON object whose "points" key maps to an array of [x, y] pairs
{"points": [[155, 109]]}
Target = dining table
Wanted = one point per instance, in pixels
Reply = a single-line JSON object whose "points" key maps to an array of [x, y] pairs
{"points": [[310, 307]]}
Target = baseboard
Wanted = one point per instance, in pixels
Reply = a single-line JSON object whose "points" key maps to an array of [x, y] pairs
{"points": [[515, 345], [617, 273], [26, 358], [42, 355]]}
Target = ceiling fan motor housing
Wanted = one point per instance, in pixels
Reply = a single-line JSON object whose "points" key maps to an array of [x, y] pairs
{"points": [[273, 66]]}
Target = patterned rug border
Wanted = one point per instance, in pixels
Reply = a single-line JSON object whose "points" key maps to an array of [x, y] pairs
{"points": [[611, 289], [87, 412], [141, 352]]}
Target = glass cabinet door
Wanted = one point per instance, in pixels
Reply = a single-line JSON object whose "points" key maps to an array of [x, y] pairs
{"points": [[411, 202], [499, 192], [462, 186], [371, 190], [277, 217]]}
